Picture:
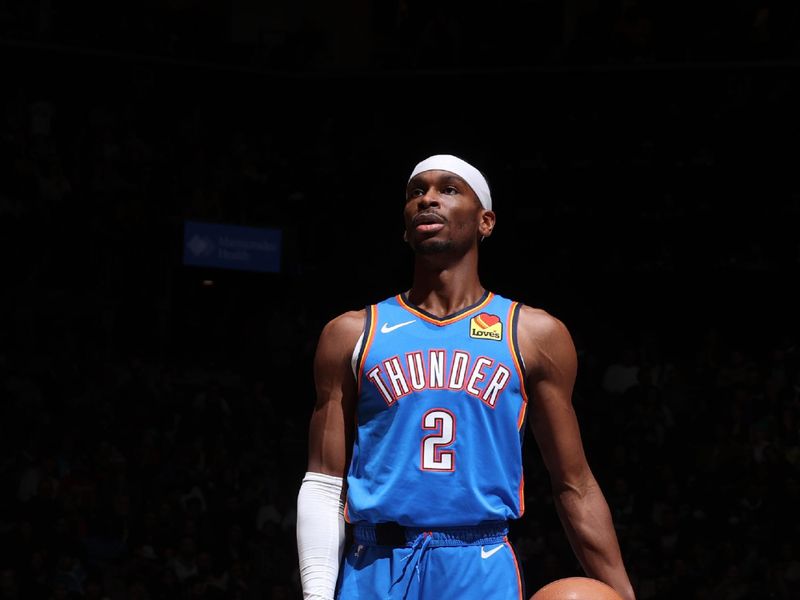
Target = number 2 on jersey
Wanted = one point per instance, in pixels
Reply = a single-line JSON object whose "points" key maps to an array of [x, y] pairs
{"points": [[433, 457]]}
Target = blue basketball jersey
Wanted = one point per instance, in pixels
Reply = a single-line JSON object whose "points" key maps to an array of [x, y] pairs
{"points": [[441, 410]]}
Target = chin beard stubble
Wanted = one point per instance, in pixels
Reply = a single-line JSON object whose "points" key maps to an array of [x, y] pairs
{"points": [[428, 247]]}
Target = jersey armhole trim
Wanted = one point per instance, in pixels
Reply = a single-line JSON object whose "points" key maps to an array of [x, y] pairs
{"points": [[364, 342], [519, 363], [514, 341], [356, 355]]}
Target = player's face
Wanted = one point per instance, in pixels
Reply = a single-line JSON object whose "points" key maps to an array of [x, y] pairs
{"points": [[441, 213]]}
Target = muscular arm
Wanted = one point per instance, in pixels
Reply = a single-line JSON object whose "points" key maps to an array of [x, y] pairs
{"points": [[331, 430], [320, 501], [551, 368]]}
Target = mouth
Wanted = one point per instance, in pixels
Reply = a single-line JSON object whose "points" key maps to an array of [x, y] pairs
{"points": [[427, 218], [427, 222]]}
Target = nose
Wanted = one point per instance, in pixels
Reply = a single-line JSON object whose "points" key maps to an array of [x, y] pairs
{"points": [[428, 199]]}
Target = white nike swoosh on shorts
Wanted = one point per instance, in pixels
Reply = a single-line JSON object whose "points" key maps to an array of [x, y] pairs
{"points": [[386, 329], [485, 554]]}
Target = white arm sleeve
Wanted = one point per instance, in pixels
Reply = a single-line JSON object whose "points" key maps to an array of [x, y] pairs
{"points": [[320, 534]]}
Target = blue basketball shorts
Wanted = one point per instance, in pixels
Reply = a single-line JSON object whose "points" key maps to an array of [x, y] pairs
{"points": [[457, 563]]}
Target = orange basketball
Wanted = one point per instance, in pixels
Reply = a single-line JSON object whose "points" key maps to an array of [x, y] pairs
{"points": [[576, 588]]}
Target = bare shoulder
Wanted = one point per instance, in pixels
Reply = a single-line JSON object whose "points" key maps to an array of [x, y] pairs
{"points": [[347, 323], [544, 340], [540, 324], [342, 332]]}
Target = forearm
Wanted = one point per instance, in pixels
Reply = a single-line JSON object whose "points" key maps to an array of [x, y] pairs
{"points": [[588, 524], [320, 534]]}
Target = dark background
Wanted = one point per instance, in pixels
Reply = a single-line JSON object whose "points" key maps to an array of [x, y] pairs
{"points": [[643, 164]]}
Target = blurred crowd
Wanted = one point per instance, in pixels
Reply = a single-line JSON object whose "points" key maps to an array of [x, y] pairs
{"points": [[153, 417]]}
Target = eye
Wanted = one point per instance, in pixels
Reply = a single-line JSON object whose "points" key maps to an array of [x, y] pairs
{"points": [[450, 190], [413, 193]]}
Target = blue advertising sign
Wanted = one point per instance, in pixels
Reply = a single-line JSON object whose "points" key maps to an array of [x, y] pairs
{"points": [[231, 247]]}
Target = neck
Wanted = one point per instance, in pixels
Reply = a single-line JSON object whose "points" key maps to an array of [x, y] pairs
{"points": [[444, 290]]}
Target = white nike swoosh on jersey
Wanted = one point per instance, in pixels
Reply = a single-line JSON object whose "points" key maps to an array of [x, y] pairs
{"points": [[485, 554], [386, 329]]}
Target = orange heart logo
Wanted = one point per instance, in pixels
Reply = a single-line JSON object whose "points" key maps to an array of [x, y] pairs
{"points": [[485, 320]]}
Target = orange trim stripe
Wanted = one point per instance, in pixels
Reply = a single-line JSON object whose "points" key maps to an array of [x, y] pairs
{"points": [[511, 338], [438, 322], [523, 411], [516, 568], [373, 311]]}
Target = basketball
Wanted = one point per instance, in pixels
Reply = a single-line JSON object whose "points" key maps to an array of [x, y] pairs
{"points": [[576, 588]]}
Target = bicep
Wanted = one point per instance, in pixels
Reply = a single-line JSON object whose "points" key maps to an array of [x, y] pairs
{"points": [[552, 417], [331, 425]]}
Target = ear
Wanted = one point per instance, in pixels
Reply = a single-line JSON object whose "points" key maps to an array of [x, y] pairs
{"points": [[486, 226], [405, 236]]}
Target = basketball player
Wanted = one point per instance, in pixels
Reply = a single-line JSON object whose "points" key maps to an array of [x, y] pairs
{"points": [[416, 435]]}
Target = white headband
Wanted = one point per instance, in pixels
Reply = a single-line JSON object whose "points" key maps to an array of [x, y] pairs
{"points": [[448, 162]]}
